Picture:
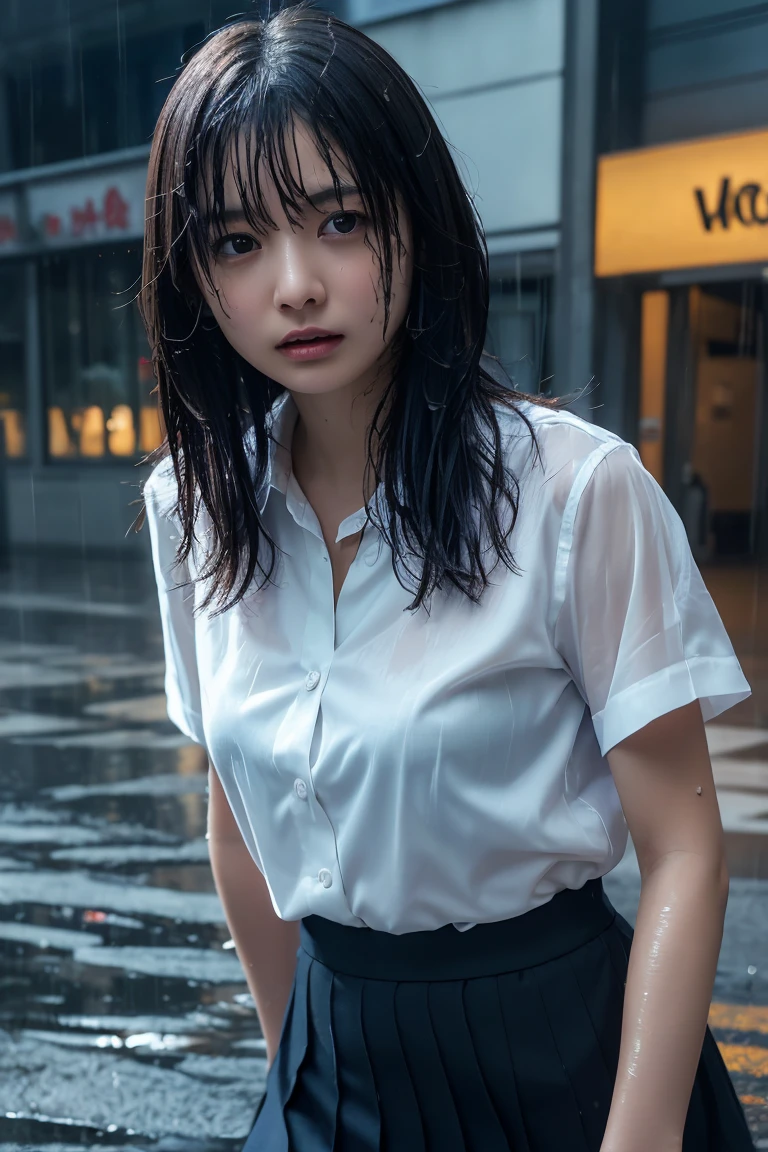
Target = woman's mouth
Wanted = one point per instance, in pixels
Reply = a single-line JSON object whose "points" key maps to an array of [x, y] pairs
{"points": [[313, 344]]}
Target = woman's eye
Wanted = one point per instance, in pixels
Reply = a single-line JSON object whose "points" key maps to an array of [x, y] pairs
{"points": [[239, 245], [342, 224]]}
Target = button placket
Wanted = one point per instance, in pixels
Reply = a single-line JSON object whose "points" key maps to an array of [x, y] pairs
{"points": [[317, 841]]}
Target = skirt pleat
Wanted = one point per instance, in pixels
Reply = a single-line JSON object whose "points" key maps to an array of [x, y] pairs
{"points": [[483, 1007], [358, 1126], [603, 999], [439, 1119], [577, 1042], [401, 1125], [390, 1049], [311, 1118], [541, 1076], [477, 1116]]}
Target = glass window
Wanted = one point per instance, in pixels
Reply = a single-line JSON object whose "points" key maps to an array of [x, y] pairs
{"points": [[519, 330], [96, 361], [13, 404], [90, 98]]}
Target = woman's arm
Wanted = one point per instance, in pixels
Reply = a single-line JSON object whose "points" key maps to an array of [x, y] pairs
{"points": [[266, 945], [664, 779]]}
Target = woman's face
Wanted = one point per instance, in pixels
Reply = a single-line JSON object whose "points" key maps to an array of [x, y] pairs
{"points": [[318, 274]]}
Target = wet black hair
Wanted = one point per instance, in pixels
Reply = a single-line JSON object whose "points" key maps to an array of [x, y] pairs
{"points": [[450, 499]]}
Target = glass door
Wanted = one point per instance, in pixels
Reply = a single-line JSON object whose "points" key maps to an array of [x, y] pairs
{"points": [[703, 422]]}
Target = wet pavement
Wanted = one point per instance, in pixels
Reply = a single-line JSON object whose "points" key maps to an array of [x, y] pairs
{"points": [[125, 1020], [124, 1017]]}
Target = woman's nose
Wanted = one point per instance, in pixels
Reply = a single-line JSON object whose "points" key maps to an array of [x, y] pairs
{"points": [[297, 282]]}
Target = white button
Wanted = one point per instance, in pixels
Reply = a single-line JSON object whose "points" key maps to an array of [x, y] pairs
{"points": [[312, 681], [300, 789], [325, 878]]}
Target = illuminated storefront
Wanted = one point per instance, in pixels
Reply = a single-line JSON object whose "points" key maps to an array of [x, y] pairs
{"points": [[75, 376], [681, 232], [688, 225]]}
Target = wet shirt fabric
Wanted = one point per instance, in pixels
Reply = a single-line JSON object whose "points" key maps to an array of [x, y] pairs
{"points": [[405, 770]]}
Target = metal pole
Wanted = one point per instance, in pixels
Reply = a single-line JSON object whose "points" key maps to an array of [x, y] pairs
{"points": [[574, 282]]}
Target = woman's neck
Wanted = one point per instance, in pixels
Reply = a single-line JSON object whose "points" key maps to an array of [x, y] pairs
{"points": [[330, 439]]}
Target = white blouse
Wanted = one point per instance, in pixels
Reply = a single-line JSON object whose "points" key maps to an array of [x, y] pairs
{"points": [[407, 770]]}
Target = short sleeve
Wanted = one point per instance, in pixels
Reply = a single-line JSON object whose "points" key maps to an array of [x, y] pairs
{"points": [[182, 686], [636, 625]]}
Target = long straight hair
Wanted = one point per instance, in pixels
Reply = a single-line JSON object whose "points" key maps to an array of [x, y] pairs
{"points": [[451, 502]]}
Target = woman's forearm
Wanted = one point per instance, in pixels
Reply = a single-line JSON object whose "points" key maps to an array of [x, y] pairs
{"points": [[266, 945], [671, 973]]}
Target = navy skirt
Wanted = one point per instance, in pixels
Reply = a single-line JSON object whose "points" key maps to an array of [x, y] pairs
{"points": [[504, 1038]]}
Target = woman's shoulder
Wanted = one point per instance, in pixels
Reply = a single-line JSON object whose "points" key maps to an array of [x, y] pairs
{"points": [[554, 452], [556, 436], [160, 488]]}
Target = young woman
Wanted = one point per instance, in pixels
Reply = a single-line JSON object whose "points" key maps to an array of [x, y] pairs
{"points": [[439, 640]]}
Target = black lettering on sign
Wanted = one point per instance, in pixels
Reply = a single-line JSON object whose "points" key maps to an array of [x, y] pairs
{"points": [[720, 212], [747, 204]]}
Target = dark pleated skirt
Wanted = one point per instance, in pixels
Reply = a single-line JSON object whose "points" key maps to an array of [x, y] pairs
{"points": [[505, 1037]]}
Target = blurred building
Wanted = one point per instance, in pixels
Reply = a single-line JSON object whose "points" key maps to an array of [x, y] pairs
{"points": [[81, 85], [680, 306], [614, 152], [681, 256]]}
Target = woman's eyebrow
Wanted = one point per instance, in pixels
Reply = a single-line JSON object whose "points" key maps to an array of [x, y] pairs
{"points": [[233, 214], [326, 195]]}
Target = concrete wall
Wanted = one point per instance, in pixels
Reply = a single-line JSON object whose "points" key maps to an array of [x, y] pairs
{"points": [[492, 72]]}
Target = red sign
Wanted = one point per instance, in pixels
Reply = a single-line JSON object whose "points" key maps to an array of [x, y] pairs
{"points": [[85, 208], [114, 214]]}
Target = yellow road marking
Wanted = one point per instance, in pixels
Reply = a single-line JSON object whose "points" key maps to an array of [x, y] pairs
{"points": [[743, 1017], [745, 1058]]}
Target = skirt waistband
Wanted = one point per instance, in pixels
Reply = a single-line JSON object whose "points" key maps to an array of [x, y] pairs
{"points": [[570, 919]]}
